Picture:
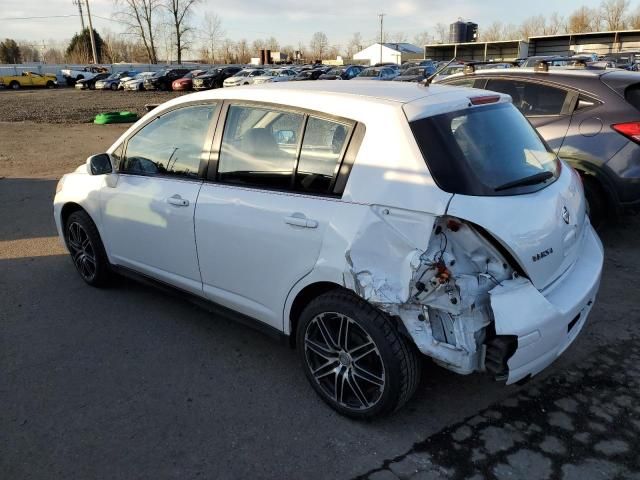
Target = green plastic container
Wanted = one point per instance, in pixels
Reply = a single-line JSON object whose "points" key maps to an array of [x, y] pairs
{"points": [[115, 117]]}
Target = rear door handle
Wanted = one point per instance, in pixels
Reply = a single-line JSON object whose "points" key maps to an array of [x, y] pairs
{"points": [[299, 220], [178, 201]]}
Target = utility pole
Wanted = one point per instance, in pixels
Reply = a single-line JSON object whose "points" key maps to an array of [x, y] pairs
{"points": [[93, 38], [381, 15], [79, 4]]}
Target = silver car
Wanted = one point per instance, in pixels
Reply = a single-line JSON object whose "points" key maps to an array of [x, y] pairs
{"points": [[591, 118]]}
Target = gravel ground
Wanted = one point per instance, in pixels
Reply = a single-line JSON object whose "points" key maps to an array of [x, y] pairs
{"points": [[68, 105]]}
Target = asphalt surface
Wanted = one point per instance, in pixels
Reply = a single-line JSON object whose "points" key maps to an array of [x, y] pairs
{"points": [[131, 382]]}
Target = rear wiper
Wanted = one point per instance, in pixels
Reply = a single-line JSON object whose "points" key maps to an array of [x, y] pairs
{"points": [[531, 180]]}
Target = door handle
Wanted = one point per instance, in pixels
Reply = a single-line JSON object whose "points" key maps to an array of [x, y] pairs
{"points": [[299, 220], [178, 201]]}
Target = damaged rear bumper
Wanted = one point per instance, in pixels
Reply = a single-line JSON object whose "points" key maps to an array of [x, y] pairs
{"points": [[546, 323]]}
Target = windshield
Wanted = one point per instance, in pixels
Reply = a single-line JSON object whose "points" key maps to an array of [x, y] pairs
{"points": [[160, 73], [213, 71], [480, 150], [336, 71]]}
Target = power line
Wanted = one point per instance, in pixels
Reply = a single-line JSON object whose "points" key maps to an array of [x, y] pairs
{"points": [[36, 18]]}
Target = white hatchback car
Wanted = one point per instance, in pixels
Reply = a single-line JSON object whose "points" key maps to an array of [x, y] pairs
{"points": [[366, 223]]}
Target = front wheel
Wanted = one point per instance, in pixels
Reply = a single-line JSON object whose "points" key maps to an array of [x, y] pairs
{"points": [[86, 249], [354, 356], [15, 85], [114, 86]]}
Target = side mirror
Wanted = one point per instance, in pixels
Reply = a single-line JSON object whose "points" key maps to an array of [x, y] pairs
{"points": [[99, 164]]}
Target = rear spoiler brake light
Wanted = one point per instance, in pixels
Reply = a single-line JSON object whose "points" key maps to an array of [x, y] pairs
{"points": [[484, 100]]}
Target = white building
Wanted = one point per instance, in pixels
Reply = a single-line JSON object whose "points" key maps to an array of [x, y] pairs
{"points": [[391, 52]]}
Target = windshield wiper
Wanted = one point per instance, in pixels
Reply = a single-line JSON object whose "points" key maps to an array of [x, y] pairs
{"points": [[531, 180]]}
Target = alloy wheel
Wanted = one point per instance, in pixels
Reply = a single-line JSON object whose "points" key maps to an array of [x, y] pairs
{"points": [[82, 251], [344, 361]]}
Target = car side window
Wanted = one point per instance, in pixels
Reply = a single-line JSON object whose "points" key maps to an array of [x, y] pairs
{"points": [[531, 98], [259, 146], [172, 144], [322, 149]]}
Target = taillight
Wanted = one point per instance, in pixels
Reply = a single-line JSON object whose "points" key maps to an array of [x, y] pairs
{"points": [[631, 130], [485, 99]]}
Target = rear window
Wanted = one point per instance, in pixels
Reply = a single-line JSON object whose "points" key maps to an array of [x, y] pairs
{"points": [[485, 151]]}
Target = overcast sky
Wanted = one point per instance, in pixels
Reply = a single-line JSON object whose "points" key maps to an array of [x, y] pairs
{"points": [[290, 21]]}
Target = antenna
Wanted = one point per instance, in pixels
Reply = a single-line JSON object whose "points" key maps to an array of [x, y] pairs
{"points": [[428, 81]]}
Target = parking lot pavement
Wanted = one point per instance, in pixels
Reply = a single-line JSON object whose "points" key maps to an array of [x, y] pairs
{"points": [[580, 424], [130, 382]]}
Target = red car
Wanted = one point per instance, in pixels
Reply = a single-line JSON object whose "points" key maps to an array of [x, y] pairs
{"points": [[186, 82]]}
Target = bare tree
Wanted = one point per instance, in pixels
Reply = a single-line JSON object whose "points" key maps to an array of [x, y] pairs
{"points": [[354, 45], [258, 45], [633, 21], [179, 11], [140, 16], [30, 53], [396, 37], [555, 25], [242, 51], [613, 13], [272, 44], [227, 49], [213, 31], [421, 39], [318, 45], [582, 20], [532, 26], [493, 32], [442, 33]]}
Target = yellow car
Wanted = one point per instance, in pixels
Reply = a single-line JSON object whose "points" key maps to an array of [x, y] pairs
{"points": [[29, 79]]}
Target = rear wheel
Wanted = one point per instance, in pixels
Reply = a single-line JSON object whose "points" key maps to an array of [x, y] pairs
{"points": [[15, 85], [114, 86], [596, 201], [86, 249], [354, 357], [50, 84]]}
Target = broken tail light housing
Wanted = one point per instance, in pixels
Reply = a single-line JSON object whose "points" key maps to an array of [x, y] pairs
{"points": [[631, 130]]}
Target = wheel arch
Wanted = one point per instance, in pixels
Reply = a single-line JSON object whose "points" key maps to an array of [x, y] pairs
{"points": [[67, 209], [302, 299], [589, 170]]}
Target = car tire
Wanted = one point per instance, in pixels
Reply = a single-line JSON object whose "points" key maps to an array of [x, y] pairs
{"points": [[50, 84], [596, 202], [86, 249], [114, 87], [375, 377], [15, 85]]}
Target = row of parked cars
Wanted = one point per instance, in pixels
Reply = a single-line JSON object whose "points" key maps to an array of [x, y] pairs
{"points": [[235, 75]]}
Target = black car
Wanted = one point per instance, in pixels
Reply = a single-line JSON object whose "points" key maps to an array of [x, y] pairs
{"points": [[90, 83], [415, 74], [346, 72], [309, 75], [162, 79], [214, 77]]}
